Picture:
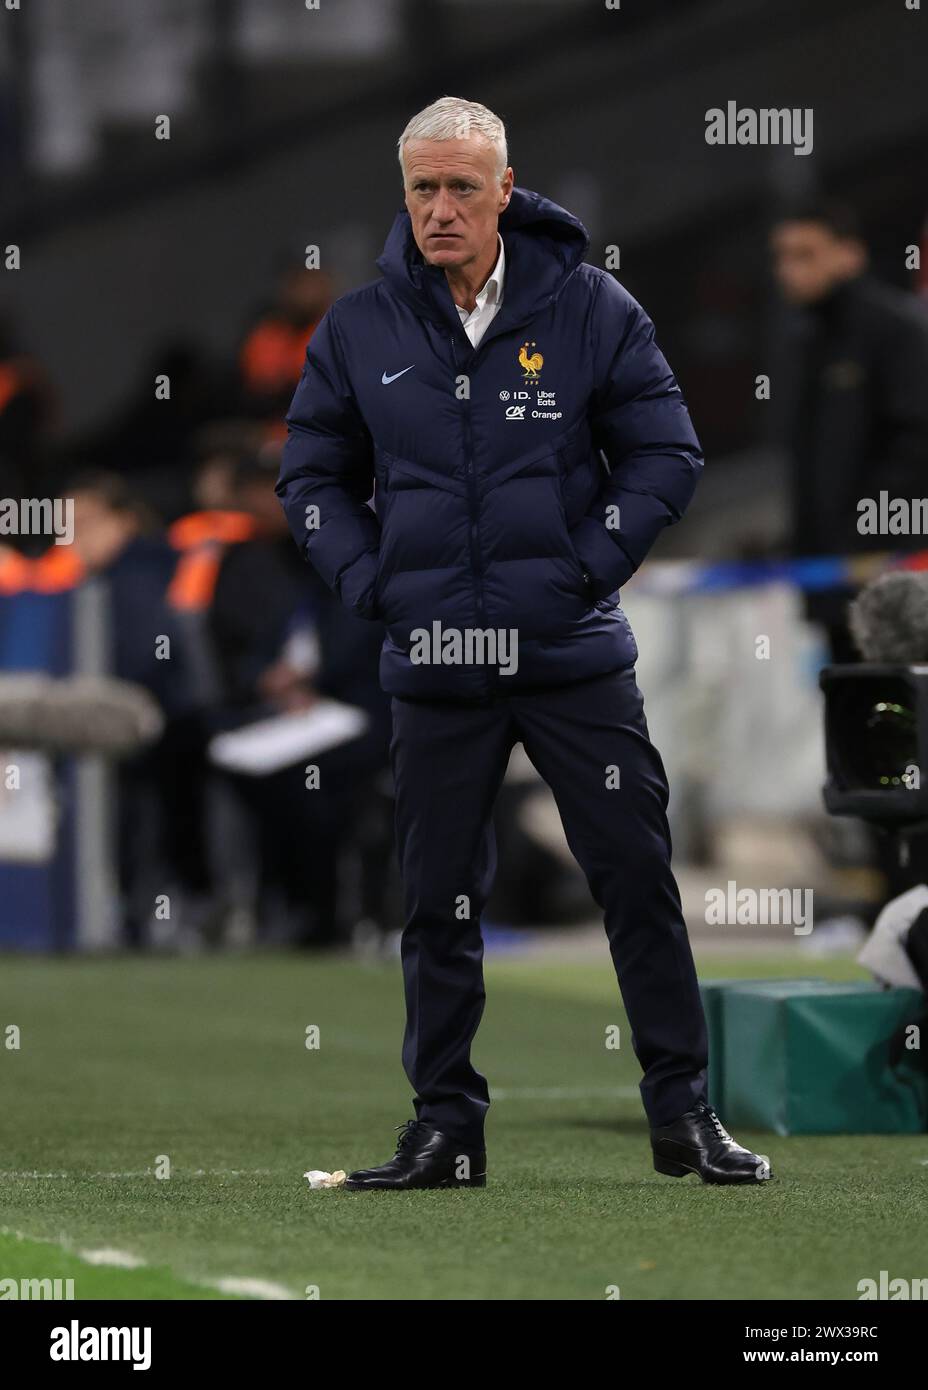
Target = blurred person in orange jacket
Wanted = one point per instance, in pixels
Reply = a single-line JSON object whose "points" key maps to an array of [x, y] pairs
{"points": [[272, 356]]}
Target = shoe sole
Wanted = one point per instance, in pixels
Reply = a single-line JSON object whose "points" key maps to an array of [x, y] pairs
{"points": [[479, 1181], [671, 1170], [680, 1170]]}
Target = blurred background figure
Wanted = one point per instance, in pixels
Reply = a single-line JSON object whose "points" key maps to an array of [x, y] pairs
{"points": [[272, 355], [857, 423], [160, 819], [26, 412], [268, 641], [150, 440]]}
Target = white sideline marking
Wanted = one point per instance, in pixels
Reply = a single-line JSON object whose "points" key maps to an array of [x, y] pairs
{"points": [[148, 1172], [21, 1235], [565, 1093], [121, 1259], [252, 1288]]}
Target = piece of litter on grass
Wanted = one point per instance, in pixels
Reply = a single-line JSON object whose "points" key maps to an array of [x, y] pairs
{"points": [[317, 1178]]}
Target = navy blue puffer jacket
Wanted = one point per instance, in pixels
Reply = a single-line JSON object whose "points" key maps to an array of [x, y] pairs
{"points": [[516, 486]]}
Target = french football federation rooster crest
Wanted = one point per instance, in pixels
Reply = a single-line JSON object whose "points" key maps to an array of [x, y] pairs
{"points": [[531, 366]]}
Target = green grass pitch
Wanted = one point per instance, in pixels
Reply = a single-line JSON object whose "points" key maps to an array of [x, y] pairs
{"points": [[204, 1061]]}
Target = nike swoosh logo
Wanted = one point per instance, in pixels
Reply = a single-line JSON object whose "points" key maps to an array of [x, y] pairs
{"points": [[385, 380]]}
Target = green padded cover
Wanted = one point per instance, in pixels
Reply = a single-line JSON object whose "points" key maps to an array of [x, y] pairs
{"points": [[814, 1060], [712, 991]]}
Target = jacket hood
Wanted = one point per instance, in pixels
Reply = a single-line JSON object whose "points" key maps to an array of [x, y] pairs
{"points": [[544, 245]]}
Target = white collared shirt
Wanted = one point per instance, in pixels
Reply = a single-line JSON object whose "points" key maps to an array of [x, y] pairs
{"points": [[476, 321]]}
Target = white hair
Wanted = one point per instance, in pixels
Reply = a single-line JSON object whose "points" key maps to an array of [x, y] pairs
{"points": [[453, 118]]}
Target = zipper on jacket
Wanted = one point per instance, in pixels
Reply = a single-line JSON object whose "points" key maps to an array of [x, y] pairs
{"points": [[473, 530]]}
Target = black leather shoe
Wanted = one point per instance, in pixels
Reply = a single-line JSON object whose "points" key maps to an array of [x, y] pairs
{"points": [[424, 1158], [699, 1143]]}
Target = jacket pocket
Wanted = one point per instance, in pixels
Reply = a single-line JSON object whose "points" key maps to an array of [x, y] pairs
{"points": [[584, 580]]}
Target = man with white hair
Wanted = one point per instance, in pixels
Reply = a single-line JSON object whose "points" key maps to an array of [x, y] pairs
{"points": [[525, 442]]}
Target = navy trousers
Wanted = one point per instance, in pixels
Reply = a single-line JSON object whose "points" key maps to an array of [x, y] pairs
{"points": [[448, 762]]}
